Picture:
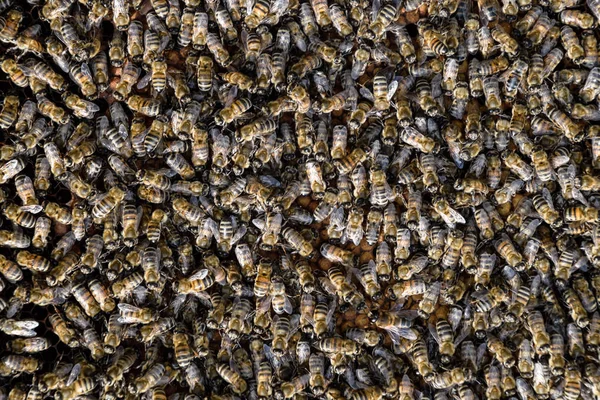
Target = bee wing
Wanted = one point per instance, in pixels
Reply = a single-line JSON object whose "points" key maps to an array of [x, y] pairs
{"points": [[27, 324], [277, 221], [327, 285], [178, 302], [228, 96], [357, 236], [337, 217], [454, 318], [27, 71], [199, 275], [259, 223], [447, 219], [366, 93], [61, 294], [75, 371], [547, 196], [375, 9], [24, 332], [436, 87], [294, 324], [433, 332], [577, 195], [464, 333], [350, 378], [239, 234], [92, 107], [270, 181], [270, 356], [397, 333], [140, 294], [124, 307], [458, 218], [102, 125], [356, 272], [392, 89], [138, 218], [287, 306], [481, 350], [539, 377], [212, 227], [142, 83], [85, 69], [373, 268], [263, 305], [329, 319]]}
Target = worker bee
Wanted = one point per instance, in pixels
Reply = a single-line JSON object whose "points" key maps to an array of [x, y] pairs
{"points": [[130, 314], [220, 54], [147, 106], [15, 73], [148, 380]]}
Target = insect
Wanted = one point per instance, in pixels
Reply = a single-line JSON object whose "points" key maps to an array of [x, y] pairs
{"points": [[281, 199]]}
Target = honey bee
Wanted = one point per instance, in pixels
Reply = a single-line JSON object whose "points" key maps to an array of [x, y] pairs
{"points": [[220, 54], [297, 241], [199, 281], [148, 380], [571, 44], [130, 314], [15, 72], [237, 323], [65, 334], [129, 77], [18, 363], [116, 49], [24, 328], [147, 106], [113, 198]]}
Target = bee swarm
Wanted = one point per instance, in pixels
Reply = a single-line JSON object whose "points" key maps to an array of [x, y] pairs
{"points": [[354, 200]]}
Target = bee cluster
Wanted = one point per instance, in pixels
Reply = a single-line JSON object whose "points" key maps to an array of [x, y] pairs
{"points": [[351, 199]]}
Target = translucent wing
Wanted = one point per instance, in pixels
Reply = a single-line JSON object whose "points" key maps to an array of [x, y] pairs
{"points": [[337, 217], [448, 219], [277, 221], [213, 227], [547, 196], [74, 374], [27, 324], [239, 234], [140, 294], [294, 324], [264, 305], [199, 275], [366, 93], [433, 332], [464, 333], [457, 216], [85, 69], [270, 181], [375, 9], [144, 81], [259, 223], [287, 306], [327, 285], [397, 333], [92, 107], [372, 267], [128, 308], [178, 303], [577, 195], [392, 89]]}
